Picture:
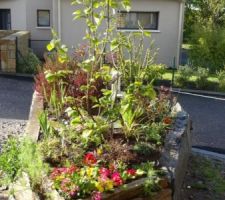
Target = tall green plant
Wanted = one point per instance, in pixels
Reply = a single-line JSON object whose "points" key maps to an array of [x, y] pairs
{"points": [[95, 12]]}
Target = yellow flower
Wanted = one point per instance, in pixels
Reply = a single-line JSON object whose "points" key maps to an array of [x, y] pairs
{"points": [[99, 151], [90, 171], [99, 187], [108, 184]]}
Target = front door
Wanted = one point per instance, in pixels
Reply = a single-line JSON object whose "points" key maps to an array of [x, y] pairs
{"points": [[5, 19]]}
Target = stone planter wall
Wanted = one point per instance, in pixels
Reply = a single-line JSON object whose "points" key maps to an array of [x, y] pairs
{"points": [[177, 150], [10, 41]]}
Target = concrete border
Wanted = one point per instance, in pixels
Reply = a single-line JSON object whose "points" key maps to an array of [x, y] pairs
{"points": [[33, 128]]}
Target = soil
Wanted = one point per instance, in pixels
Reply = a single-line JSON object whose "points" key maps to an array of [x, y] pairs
{"points": [[204, 180]]}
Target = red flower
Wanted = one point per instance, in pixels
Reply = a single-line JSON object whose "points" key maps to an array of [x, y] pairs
{"points": [[104, 172], [131, 172], [90, 159], [117, 179], [167, 120]]}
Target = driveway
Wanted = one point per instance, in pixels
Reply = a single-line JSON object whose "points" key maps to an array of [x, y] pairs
{"points": [[15, 99], [208, 117]]}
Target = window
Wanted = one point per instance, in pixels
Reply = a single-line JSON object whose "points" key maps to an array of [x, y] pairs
{"points": [[131, 20], [5, 19], [43, 18]]}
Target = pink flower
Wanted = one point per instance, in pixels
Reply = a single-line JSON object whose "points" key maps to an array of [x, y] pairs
{"points": [[117, 179], [74, 191], [72, 169], [104, 172], [131, 172], [96, 196], [90, 159]]}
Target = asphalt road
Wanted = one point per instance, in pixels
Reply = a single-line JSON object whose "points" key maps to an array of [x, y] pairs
{"points": [[15, 97], [208, 120]]}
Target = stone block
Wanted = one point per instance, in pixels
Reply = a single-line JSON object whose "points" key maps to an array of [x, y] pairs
{"points": [[12, 63], [12, 46], [4, 56], [4, 47], [176, 152], [12, 54]]}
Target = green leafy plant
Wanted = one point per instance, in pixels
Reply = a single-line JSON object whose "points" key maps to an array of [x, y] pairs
{"points": [[22, 156], [32, 163], [9, 161], [154, 132], [46, 128], [130, 115], [28, 64], [221, 77], [184, 75], [202, 75]]}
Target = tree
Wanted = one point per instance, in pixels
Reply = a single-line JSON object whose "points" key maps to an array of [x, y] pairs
{"points": [[204, 29]]}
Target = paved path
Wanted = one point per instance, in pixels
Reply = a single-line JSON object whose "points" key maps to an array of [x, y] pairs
{"points": [[208, 118], [15, 99]]}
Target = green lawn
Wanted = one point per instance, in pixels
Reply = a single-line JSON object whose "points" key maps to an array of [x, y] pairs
{"points": [[168, 76]]}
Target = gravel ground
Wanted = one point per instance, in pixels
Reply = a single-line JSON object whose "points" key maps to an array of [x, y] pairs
{"points": [[9, 128]]}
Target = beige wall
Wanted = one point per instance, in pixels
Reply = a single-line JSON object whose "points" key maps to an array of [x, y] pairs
{"points": [[72, 31], [32, 6], [18, 12], [166, 38]]}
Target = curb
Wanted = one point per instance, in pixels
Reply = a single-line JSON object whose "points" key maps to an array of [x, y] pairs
{"points": [[33, 127], [17, 75], [203, 92], [208, 154]]}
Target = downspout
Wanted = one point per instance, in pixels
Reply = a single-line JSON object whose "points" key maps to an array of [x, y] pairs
{"points": [[181, 17], [54, 15], [59, 20]]}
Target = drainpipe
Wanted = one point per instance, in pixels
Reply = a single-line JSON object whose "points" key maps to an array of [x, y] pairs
{"points": [[59, 20], [54, 14], [181, 17]]}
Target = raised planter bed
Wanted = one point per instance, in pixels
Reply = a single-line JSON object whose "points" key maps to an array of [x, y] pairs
{"points": [[173, 160]]}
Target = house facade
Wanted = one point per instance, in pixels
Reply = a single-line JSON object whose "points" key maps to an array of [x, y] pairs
{"points": [[163, 18]]}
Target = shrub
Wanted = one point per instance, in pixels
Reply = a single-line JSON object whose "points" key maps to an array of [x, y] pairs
{"points": [[221, 77], [21, 156], [208, 48], [9, 161], [28, 64], [201, 80], [184, 74]]}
